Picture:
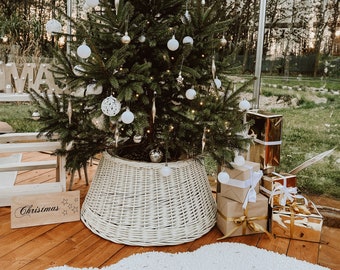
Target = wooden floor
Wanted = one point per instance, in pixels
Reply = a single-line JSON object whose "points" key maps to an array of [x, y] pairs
{"points": [[73, 244]]}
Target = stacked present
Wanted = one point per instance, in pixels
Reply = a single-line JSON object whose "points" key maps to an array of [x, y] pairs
{"points": [[254, 198]]}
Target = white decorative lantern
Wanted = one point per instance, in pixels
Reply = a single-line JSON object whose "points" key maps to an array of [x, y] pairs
{"points": [[188, 40], [127, 117], [190, 93], [92, 3], [53, 26], [84, 51], [173, 44], [223, 177]]}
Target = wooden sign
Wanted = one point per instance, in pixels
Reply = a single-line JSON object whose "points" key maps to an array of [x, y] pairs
{"points": [[42, 209]]}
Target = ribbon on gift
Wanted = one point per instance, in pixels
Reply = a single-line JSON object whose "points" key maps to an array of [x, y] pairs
{"points": [[244, 222], [251, 194], [267, 143], [285, 193]]}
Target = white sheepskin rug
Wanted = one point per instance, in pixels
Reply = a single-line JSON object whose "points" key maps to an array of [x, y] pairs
{"points": [[233, 256]]}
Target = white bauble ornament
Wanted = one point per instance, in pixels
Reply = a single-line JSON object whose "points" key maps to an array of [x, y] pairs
{"points": [[53, 26], [127, 116], [223, 177], [166, 171], [188, 40], [110, 106], [223, 41], [137, 138], [190, 93], [92, 3], [218, 83], [84, 51], [244, 105], [141, 38], [78, 70], [156, 155], [239, 160], [126, 39], [35, 115], [94, 89], [173, 44]]}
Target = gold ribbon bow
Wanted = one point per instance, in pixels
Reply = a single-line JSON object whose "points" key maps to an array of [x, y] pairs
{"points": [[245, 222]]}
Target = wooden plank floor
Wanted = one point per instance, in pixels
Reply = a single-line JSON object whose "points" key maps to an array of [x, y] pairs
{"points": [[73, 244]]}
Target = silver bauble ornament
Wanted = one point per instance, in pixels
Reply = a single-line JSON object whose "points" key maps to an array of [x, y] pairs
{"points": [[110, 106], [156, 155], [126, 39]]}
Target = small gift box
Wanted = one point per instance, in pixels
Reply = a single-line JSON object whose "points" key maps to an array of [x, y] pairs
{"points": [[266, 130], [302, 222], [286, 179], [243, 184], [279, 192], [233, 219]]}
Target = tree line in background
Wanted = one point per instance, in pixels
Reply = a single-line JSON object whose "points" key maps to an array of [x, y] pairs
{"points": [[301, 36]]}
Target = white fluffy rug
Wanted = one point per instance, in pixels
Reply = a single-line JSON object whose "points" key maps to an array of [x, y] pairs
{"points": [[233, 256]]}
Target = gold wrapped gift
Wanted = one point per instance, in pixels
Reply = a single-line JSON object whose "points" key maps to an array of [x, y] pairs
{"points": [[302, 222], [266, 129], [233, 220]]}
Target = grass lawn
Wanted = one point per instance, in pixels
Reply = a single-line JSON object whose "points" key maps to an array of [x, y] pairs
{"points": [[308, 130]]}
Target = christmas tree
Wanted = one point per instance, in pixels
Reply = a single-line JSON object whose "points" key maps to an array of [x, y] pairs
{"points": [[147, 77]]}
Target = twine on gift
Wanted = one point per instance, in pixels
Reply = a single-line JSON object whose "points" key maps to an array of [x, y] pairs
{"points": [[244, 222]]}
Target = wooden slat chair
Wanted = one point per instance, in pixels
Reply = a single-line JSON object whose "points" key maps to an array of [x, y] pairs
{"points": [[28, 142]]}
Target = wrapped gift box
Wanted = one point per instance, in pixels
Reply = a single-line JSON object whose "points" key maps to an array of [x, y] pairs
{"points": [[242, 179], [233, 220], [293, 222], [286, 179], [266, 129]]}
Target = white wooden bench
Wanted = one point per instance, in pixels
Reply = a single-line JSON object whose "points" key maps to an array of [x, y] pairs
{"points": [[28, 142]]}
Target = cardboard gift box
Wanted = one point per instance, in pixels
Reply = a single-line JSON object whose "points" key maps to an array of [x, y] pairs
{"points": [[266, 129], [233, 220], [302, 222], [286, 179], [243, 183]]}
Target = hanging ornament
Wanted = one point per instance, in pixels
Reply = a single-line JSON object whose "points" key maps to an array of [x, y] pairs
{"points": [[137, 138], [239, 160], [204, 138], [156, 155], [173, 44], [223, 41], [116, 6], [92, 3], [203, 2], [213, 67], [188, 40], [69, 111], [110, 106], [217, 82], [190, 94], [180, 79], [127, 116], [78, 70], [186, 18], [153, 110], [244, 105], [166, 171], [94, 89], [141, 38], [53, 26], [84, 51], [223, 177], [35, 115], [126, 39]]}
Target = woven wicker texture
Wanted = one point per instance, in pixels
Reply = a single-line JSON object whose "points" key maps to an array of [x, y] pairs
{"points": [[132, 203]]}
